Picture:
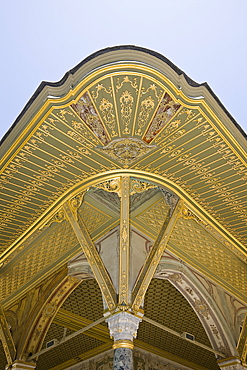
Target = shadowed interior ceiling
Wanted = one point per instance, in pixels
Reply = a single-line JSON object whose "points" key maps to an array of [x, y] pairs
{"points": [[170, 309]]}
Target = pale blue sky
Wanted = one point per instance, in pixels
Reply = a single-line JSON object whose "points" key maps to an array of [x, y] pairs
{"points": [[41, 40]]}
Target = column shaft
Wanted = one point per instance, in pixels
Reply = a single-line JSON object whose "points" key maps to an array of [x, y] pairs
{"points": [[123, 359]]}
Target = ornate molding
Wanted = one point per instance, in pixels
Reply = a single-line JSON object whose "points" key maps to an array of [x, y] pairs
{"points": [[79, 268], [60, 215], [111, 186], [242, 341], [231, 363], [75, 203], [187, 214], [46, 315], [114, 186], [124, 243], [206, 310], [126, 150], [21, 365], [139, 186], [170, 199]]}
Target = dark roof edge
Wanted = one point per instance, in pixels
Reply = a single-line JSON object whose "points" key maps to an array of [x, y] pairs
{"points": [[115, 48]]}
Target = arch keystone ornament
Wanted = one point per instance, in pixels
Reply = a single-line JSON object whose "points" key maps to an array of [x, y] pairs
{"points": [[123, 173]]}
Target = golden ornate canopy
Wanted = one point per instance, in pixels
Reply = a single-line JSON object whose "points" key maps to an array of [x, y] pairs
{"points": [[125, 143]]}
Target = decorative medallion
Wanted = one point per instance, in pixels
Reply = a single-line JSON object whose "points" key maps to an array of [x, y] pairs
{"points": [[201, 307], [126, 151]]}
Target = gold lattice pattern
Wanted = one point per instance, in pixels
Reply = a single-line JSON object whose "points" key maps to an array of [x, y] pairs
{"points": [[155, 215], [66, 351], [3, 360], [86, 300], [56, 332], [43, 253], [92, 217], [203, 248], [164, 304]]}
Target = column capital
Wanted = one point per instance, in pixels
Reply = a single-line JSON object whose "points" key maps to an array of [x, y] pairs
{"points": [[231, 363], [22, 365], [123, 328]]}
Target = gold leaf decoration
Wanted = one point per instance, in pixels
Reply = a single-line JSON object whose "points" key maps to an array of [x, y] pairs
{"points": [[167, 109], [106, 107], [126, 150], [147, 106], [126, 101], [85, 109]]}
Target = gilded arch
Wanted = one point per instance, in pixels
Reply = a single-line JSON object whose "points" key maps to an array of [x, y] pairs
{"points": [[207, 310]]}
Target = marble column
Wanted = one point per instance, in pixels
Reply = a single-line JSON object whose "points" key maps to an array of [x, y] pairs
{"points": [[21, 365], [231, 363], [123, 328]]}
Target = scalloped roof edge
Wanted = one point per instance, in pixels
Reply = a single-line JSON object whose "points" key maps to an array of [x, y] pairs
{"points": [[72, 71]]}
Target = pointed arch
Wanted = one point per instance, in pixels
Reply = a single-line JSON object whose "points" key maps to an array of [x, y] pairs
{"points": [[204, 305], [40, 318]]}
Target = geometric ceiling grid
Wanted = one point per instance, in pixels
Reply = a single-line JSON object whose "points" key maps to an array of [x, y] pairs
{"points": [[96, 219], [92, 217], [41, 254], [66, 351], [194, 244], [86, 295], [3, 359], [165, 305], [155, 215]]}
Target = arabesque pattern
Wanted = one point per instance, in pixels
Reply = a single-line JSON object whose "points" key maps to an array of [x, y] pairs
{"points": [[123, 120]]}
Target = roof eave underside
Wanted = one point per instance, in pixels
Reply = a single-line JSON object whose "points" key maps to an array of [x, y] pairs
{"points": [[113, 55]]}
